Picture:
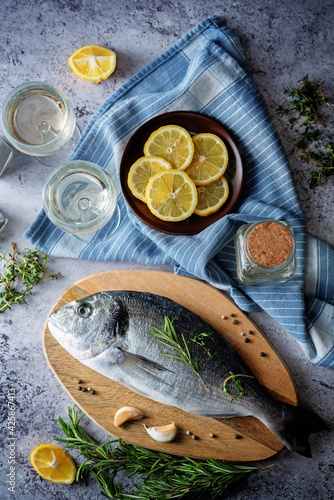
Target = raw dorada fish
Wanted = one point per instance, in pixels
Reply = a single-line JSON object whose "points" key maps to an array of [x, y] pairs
{"points": [[107, 332]]}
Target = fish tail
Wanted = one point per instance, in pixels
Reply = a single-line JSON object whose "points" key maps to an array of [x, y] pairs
{"points": [[299, 424]]}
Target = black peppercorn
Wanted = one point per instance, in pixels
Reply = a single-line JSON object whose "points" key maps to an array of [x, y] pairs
{"points": [[250, 332], [232, 314], [93, 392], [246, 340], [236, 436], [79, 388], [262, 354], [234, 321], [84, 389], [79, 381]]}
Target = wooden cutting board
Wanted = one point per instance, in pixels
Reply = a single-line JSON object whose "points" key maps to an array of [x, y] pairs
{"points": [[255, 441]]}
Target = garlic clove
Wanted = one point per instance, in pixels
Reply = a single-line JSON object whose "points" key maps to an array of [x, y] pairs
{"points": [[163, 433], [127, 413]]}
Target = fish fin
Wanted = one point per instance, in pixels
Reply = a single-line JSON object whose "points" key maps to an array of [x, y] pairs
{"points": [[216, 415], [140, 367], [297, 427]]}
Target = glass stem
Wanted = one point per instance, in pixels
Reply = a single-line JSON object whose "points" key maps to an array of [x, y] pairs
{"points": [[85, 207], [46, 129]]}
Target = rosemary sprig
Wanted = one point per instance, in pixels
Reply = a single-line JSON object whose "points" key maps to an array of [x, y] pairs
{"points": [[198, 338], [24, 270], [170, 339], [305, 101], [163, 476], [237, 384]]}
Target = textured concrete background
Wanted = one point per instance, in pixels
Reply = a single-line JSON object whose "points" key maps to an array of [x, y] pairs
{"points": [[283, 41]]}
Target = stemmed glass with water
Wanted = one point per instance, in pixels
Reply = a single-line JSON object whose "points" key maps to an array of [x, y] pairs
{"points": [[79, 197], [38, 119]]}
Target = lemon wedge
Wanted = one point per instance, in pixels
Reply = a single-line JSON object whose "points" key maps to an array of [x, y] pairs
{"points": [[141, 172], [171, 195], [209, 161], [53, 464], [173, 143], [93, 63], [211, 197]]}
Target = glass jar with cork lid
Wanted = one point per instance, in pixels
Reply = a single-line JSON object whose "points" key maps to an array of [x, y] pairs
{"points": [[265, 252]]}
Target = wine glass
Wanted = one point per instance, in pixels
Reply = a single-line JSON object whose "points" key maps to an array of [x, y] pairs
{"points": [[39, 120], [80, 198]]}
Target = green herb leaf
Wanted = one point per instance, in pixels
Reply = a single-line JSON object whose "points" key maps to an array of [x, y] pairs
{"points": [[305, 101], [198, 338], [169, 338], [164, 476], [21, 270], [237, 385]]}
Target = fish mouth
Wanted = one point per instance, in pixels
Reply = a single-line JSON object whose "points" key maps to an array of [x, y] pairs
{"points": [[58, 333], [80, 349], [54, 322], [55, 328]]}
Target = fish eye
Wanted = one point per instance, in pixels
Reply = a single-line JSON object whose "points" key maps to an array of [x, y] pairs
{"points": [[84, 310]]}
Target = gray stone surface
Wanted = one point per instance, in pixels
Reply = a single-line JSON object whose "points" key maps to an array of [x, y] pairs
{"points": [[283, 40]]}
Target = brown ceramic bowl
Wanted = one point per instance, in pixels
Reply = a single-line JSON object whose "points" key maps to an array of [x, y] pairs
{"points": [[195, 123]]}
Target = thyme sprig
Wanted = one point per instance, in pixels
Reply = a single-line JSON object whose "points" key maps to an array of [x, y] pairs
{"points": [[305, 101], [237, 384], [170, 339], [22, 271], [199, 339], [162, 476]]}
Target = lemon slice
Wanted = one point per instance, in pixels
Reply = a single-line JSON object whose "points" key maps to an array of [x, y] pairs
{"points": [[171, 195], [209, 161], [141, 172], [211, 197], [173, 143], [93, 62], [53, 464]]}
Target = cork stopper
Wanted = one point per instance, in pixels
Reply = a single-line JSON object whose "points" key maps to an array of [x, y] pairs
{"points": [[269, 244]]}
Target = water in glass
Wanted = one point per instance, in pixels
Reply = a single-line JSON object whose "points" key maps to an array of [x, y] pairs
{"points": [[38, 119], [80, 197]]}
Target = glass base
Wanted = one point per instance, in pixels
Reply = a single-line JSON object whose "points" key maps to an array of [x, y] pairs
{"points": [[105, 233], [61, 156], [6, 155], [3, 221]]}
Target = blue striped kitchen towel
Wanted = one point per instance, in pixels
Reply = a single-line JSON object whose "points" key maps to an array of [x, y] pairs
{"points": [[205, 71]]}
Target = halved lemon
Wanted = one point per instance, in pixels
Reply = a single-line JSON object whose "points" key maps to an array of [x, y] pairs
{"points": [[141, 172], [210, 159], [53, 464], [211, 197], [93, 62], [173, 143], [171, 195]]}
